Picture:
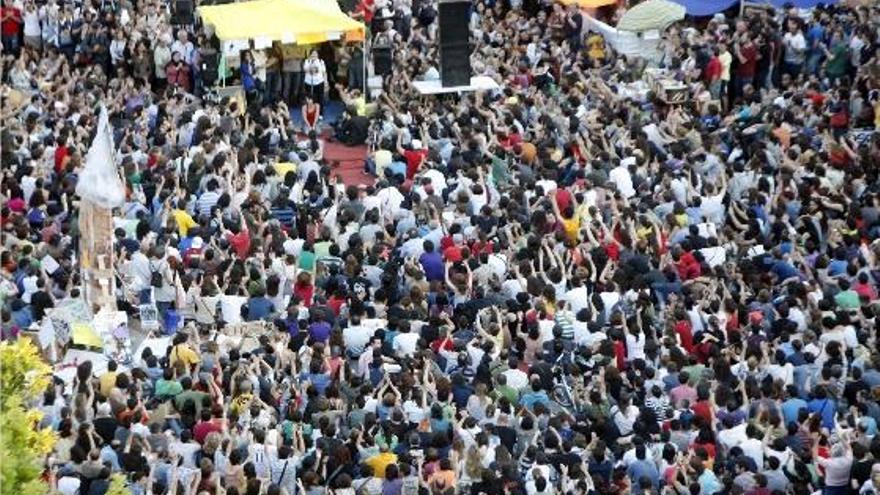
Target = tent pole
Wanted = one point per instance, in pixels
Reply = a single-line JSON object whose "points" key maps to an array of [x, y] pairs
{"points": [[364, 83]]}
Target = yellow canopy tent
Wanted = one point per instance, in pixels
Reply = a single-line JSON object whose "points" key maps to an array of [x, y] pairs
{"points": [[589, 4], [301, 22]]}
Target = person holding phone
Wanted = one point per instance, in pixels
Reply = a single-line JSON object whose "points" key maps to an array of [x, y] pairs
{"points": [[315, 77]]}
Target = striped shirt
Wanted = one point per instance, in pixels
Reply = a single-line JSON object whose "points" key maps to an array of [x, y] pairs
{"points": [[565, 320], [207, 201]]}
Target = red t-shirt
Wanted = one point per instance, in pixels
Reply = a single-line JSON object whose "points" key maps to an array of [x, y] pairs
{"points": [[61, 152], [612, 250], [703, 410], [685, 333], [452, 253], [713, 69], [12, 26], [241, 243], [710, 448], [305, 292], [202, 429], [563, 199], [747, 68], [620, 354], [335, 304], [413, 159], [688, 267], [443, 343]]}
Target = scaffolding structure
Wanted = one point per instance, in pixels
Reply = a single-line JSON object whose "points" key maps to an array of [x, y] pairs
{"points": [[96, 255]]}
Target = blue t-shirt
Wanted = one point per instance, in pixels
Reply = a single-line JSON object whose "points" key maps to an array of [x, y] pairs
{"points": [[790, 409], [640, 469], [319, 331], [784, 270], [826, 408], [837, 267], [432, 263], [815, 34], [259, 308]]}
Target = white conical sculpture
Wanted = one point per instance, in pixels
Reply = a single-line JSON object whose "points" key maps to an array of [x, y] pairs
{"points": [[99, 182]]}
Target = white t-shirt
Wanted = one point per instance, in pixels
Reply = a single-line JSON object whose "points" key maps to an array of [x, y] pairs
{"points": [[187, 452], [635, 346], [623, 180], [795, 46], [732, 437], [516, 379], [625, 419], [577, 299], [405, 343], [31, 23], [714, 256], [356, 338], [230, 306]]}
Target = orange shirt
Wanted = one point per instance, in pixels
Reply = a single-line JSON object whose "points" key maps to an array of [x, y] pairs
{"points": [[529, 152]]}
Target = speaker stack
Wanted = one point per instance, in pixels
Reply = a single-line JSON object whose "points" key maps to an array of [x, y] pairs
{"points": [[183, 13], [210, 67], [382, 60], [455, 46]]}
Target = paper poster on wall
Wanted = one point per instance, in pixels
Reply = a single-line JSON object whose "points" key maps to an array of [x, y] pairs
{"points": [[262, 42], [233, 47]]}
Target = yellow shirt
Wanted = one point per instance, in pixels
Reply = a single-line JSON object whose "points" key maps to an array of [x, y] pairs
{"points": [[183, 354], [381, 461], [184, 221], [107, 381], [283, 167], [240, 403], [360, 106], [571, 226], [596, 47]]}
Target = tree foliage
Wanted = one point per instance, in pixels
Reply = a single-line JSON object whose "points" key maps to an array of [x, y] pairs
{"points": [[117, 485], [23, 377]]}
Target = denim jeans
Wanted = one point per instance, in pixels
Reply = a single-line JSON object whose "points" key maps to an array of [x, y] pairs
{"points": [[291, 87], [273, 87], [11, 44], [175, 425], [794, 70], [813, 63]]}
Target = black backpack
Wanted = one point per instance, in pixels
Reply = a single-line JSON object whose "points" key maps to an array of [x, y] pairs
{"points": [[156, 279]]}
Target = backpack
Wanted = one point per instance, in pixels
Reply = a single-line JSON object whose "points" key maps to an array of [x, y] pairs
{"points": [[156, 279]]}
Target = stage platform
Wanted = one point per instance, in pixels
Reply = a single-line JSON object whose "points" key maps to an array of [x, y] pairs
{"points": [[479, 83]]}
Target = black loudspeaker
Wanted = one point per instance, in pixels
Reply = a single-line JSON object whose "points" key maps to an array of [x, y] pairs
{"points": [[455, 46], [382, 60], [183, 13], [210, 67]]}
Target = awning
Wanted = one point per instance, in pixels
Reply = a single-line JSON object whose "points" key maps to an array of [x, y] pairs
{"points": [[701, 8], [650, 15], [589, 4], [289, 21]]}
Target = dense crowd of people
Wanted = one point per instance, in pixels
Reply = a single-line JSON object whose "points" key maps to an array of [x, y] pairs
{"points": [[565, 286]]}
